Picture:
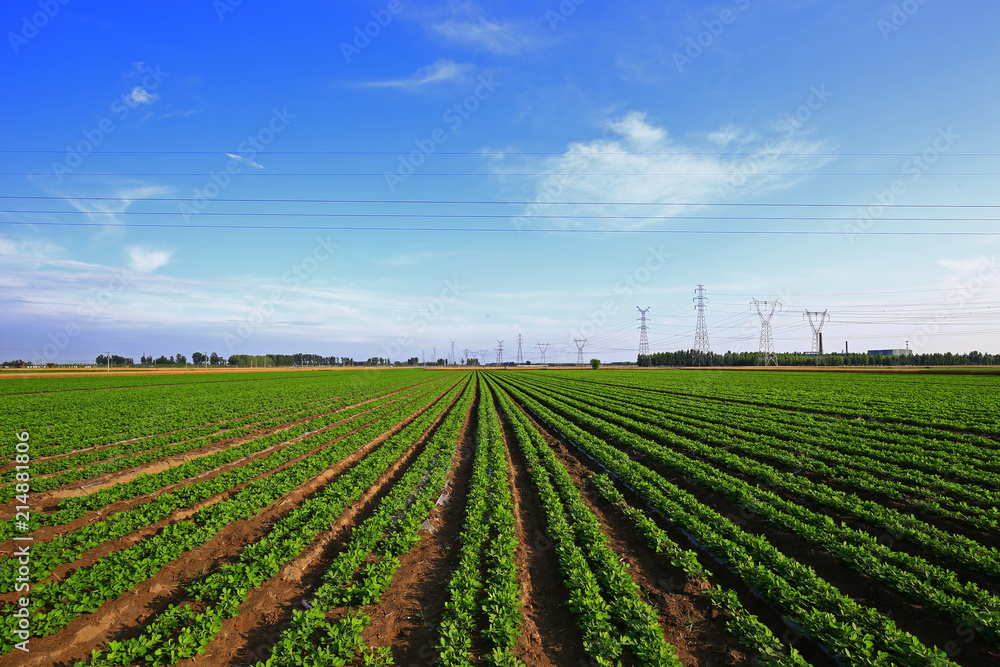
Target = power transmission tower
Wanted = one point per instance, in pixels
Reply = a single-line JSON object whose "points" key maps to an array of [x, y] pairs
{"points": [[499, 353], [643, 338], [766, 356], [466, 355], [452, 353], [822, 317], [541, 348], [520, 359], [701, 343], [579, 349], [482, 357]]}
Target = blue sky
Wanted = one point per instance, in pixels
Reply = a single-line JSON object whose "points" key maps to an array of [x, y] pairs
{"points": [[630, 126]]}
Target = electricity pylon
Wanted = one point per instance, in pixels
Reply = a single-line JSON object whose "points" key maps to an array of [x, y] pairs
{"points": [[701, 343], [452, 353], [643, 338], [766, 357], [822, 317], [579, 349], [541, 348], [520, 359], [499, 353]]}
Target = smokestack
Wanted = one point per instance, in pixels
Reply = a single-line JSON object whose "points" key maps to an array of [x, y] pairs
{"points": [[821, 343], [845, 347]]}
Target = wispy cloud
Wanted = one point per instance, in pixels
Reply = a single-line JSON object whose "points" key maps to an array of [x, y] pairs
{"points": [[405, 260], [440, 71], [147, 260], [470, 27], [123, 197], [637, 160], [246, 161]]}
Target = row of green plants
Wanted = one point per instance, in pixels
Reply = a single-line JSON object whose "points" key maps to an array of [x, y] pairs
{"points": [[72, 508], [54, 604], [745, 626], [860, 473], [360, 574], [67, 547], [618, 626], [854, 633], [483, 591], [937, 587], [619, 424]]}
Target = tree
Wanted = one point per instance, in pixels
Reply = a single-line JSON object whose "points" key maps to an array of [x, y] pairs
{"points": [[595, 363], [198, 358], [180, 359]]}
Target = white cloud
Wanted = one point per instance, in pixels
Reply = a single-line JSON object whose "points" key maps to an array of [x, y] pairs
{"points": [[405, 260], [440, 71], [637, 160], [140, 95], [247, 161], [145, 260], [469, 26], [977, 263]]}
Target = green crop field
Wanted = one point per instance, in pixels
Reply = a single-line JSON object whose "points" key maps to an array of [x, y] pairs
{"points": [[501, 517]]}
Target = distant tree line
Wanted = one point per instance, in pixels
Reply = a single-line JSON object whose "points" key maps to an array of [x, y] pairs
{"points": [[695, 358]]}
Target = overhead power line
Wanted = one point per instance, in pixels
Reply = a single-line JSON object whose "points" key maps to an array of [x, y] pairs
{"points": [[497, 230], [497, 202], [489, 152], [496, 215], [685, 174]]}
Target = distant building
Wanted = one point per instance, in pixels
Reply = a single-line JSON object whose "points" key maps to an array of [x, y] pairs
{"points": [[895, 352]]}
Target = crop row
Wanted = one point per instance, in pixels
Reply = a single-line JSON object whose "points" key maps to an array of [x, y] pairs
{"points": [[360, 573], [618, 626], [484, 585], [856, 634], [55, 604], [65, 548]]}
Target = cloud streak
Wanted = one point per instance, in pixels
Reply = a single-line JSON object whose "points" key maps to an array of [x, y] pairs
{"points": [[440, 71]]}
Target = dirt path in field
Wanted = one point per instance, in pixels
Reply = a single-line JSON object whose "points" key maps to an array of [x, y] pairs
{"points": [[124, 616], [268, 609], [549, 636], [407, 617], [908, 615]]}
